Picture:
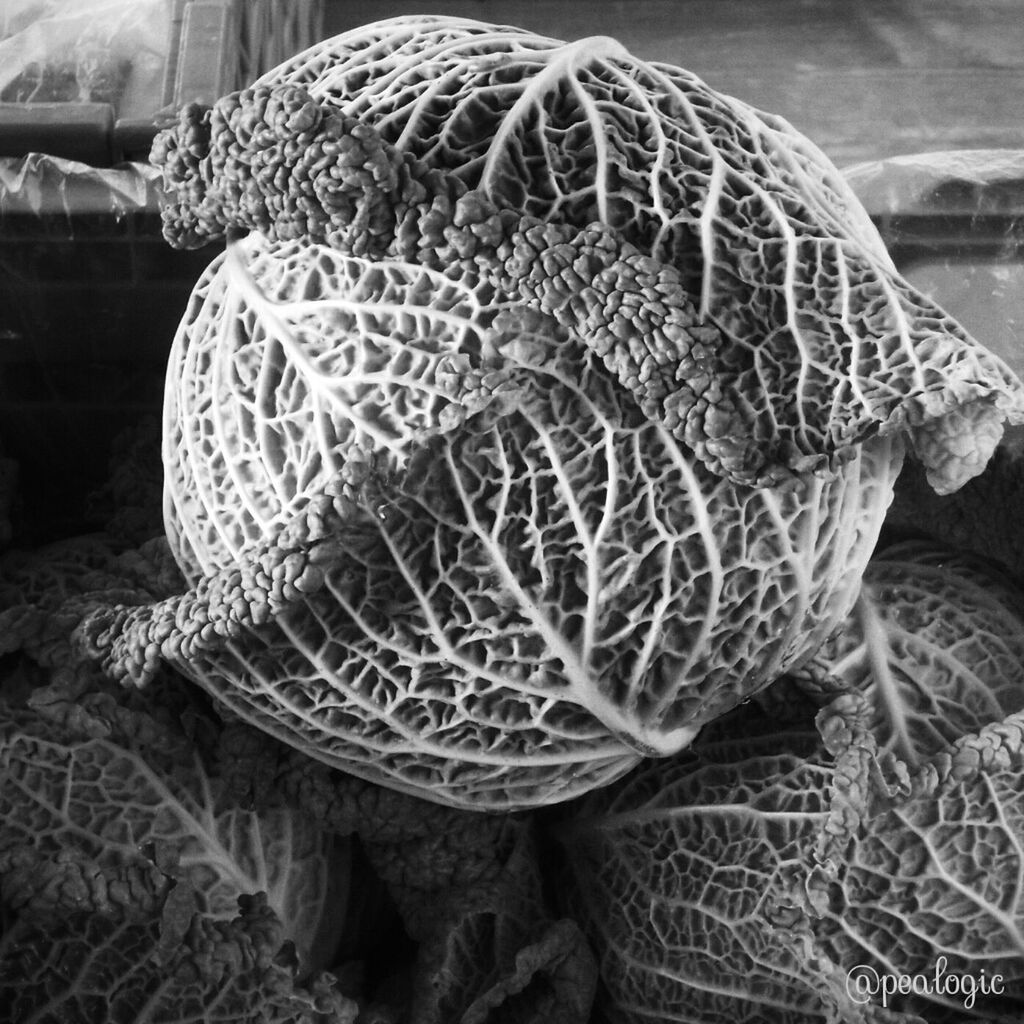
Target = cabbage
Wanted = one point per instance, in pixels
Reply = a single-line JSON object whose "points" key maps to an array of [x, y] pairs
{"points": [[784, 860], [936, 644], [550, 409], [106, 808]]}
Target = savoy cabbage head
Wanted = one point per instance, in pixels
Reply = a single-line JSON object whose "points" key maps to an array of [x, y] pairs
{"points": [[550, 409], [158, 863], [755, 876], [87, 967], [106, 808]]}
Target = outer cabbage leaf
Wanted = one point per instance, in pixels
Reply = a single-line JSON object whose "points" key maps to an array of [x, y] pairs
{"points": [[85, 968], [105, 808], [43, 592], [492, 950], [889, 840], [682, 876], [932, 877], [802, 340], [936, 644], [522, 581], [468, 888], [744, 882]]}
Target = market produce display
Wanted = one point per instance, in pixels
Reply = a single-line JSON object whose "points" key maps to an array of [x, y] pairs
{"points": [[514, 634]]}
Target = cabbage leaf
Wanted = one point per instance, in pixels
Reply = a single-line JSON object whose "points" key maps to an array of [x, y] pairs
{"points": [[84, 968], [745, 879], [604, 174], [106, 808], [549, 410], [468, 888], [935, 642], [523, 583]]}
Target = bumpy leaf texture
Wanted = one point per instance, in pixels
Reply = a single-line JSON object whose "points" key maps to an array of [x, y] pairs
{"points": [[820, 341], [681, 875], [745, 880], [597, 448], [933, 874], [467, 886], [43, 591], [491, 951], [86, 968], [936, 644], [103, 809], [541, 588]]}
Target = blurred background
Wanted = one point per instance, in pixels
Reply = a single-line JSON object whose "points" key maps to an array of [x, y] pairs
{"points": [[920, 103]]}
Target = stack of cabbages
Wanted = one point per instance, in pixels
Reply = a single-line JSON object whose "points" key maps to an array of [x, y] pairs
{"points": [[513, 653]]}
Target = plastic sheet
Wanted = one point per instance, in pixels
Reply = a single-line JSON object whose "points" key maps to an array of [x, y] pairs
{"points": [[924, 182], [56, 190], [85, 51]]}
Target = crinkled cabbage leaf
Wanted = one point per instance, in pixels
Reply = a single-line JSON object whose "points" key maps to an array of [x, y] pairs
{"points": [[525, 583], [84, 968], [551, 409], [935, 641], [745, 879], [817, 340], [105, 808]]}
